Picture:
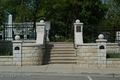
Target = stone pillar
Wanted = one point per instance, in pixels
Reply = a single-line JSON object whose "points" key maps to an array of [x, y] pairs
{"points": [[40, 32], [101, 43], [9, 35], [17, 54], [78, 32]]}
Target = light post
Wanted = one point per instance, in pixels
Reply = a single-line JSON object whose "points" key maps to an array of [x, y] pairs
{"points": [[54, 25]]}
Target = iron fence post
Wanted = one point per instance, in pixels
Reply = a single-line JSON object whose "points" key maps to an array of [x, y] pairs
{"points": [[114, 33]]}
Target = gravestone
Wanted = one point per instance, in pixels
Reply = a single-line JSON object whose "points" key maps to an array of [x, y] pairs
{"points": [[118, 36]]}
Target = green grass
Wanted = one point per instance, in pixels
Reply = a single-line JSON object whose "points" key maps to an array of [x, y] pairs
{"points": [[5, 52], [113, 55]]}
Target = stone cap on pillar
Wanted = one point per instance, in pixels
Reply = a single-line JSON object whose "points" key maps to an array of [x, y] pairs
{"points": [[77, 22], [17, 41], [42, 23], [101, 38]]}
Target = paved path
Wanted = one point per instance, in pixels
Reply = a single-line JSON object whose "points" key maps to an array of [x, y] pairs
{"points": [[60, 68]]}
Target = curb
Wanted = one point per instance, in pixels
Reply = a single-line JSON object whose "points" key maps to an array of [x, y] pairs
{"points": [[61, 73]]}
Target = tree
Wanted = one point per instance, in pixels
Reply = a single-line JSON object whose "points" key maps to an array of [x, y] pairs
{"points": [[90, 12], [2, 16], [113, 15]]}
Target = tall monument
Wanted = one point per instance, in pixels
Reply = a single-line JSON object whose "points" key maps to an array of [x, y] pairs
{"points": [[9, 29]]}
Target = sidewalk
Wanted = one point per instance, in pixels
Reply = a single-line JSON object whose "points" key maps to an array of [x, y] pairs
{"points": [[59, 68]]}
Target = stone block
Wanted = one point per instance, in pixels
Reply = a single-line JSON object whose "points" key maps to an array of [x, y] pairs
{"points": [[80, 51], [25, 59], [93, 58], [112, 66], [93, 65], [30, 48], [115, 62], [85, 65], [81, 58], [91, 62], [96, 62], [15, 51], [14, 63], [36, 48], [104, 54], [24, 63], [26, 51], [95, 55], [100, 62], [89, 54], [8, 63], [103, 58], [99, 58], [4, 59], [105, 62], [94, 47], [24, 48], [18, 63], [83, 62], [85, 50], [86, 58], [109, 62], [18, 56], [28, 55], [85, 47], [83, 54], [92, 50], [100, 54], [33, 63], [15, 59], [103, 50], [10, 59]]}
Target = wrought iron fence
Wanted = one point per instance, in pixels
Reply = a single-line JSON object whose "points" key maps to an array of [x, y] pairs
{"points": [[24, 30], [111, 33]]}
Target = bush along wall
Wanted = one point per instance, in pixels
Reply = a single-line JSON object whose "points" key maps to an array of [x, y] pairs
{"points": [[6, 52], [113, 55]]}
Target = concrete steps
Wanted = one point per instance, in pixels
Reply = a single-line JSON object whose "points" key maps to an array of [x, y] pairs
{"points": [[60, 62], [60, 54]]}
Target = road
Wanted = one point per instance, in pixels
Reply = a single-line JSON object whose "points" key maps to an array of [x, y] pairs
{"points": [[26, 76]]}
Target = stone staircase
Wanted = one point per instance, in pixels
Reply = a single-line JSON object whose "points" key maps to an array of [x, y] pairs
{"points": [[60, 54]]}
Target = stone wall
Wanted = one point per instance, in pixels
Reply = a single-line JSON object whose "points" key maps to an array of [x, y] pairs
{"points": [[113, 63], [6, 60], [32, 56], [87, 55]]}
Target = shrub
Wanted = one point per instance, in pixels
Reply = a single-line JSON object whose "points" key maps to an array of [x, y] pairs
{"points": [[5, 52], [113, 55]]}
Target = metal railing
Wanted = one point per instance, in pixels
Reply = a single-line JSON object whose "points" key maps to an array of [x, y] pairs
{"points": [[24, 30]]}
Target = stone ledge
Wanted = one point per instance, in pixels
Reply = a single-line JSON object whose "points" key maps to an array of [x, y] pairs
{"points": [[87, 44], [31, 45], [113, 59], [111, 44], [6, 56], [29, 41]]}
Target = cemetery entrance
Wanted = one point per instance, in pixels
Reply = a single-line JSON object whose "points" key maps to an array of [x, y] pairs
{"points": [[61, 33]]}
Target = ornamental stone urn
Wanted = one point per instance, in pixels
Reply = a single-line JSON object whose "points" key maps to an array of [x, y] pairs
{"points": [[101, 36], [17, 37]]}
